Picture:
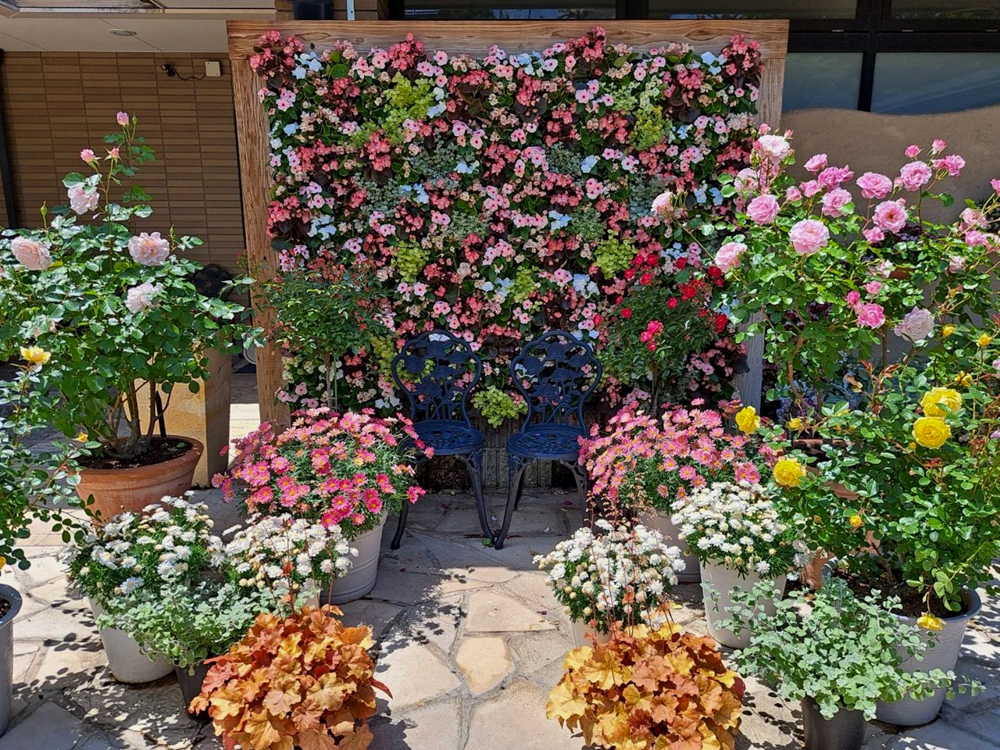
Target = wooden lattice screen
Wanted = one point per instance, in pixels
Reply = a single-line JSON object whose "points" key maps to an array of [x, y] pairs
{"points": [[473, 38]]}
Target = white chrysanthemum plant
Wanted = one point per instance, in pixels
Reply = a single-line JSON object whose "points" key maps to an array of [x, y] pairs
{"points": [[612, 575], [284, 554]]}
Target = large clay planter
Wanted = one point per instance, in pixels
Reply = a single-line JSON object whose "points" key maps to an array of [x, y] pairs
{"points": [[717, 583], [12, 597], [845, 731], [118, 490], [125, 658], [661, 522], [942, 654], [191, 683], [363, 573]]}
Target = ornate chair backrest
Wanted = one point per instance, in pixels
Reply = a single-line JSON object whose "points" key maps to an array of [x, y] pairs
{"points": [[437, 371], [556, 373]]}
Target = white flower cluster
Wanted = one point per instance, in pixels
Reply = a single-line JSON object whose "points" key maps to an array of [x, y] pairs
{"points": [[736, 526], [272, 549], [618, 573]]}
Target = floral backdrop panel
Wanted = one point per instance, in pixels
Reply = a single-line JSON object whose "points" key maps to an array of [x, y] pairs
{"points": [[502, 196]]}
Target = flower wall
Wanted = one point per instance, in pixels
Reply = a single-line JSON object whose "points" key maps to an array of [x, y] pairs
{"points": [[502, 196]]}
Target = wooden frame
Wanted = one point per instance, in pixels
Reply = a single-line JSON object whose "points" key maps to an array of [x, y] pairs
{"points": [[473, 38]]}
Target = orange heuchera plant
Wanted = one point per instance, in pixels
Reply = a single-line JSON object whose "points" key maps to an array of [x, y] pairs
{"points": [[304, 682], [650, 690]]}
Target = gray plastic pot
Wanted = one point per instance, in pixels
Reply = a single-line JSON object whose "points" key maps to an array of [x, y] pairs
{"points": [[191, 683], [845, 731], [7, 653]]}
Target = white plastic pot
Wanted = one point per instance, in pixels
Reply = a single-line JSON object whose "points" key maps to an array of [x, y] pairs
{"points": [[941, 654], [661, 522], [580, 630], [126, 660], [718, 583], [360, 579]]}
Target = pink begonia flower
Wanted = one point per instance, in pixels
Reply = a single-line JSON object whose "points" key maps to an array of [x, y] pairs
{"points": [[956, 263], [833, 177], [87, 155], [874, 186], [835, 201], [938, 145], [916, 325], [140, 298], [763, 209], [871, 315], [915, 175], [816, 163], [729, 254], [793, 194], [810, 188], [874, 235], [82, 200], [890, 216], [873, 287], [775, 146], [953, 164], [31, 254], [853, 298], [809, 236], [122, 118], [913, 151], [149, 249]]}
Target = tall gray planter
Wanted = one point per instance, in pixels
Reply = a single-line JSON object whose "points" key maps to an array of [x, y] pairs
{"points": [[7, 653]]}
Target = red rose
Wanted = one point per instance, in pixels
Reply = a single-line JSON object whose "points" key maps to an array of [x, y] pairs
{"points": [[627, 313], [672, 303], [714, 271], [646, 278], [720, 322], [598, 319], [681, 263]]}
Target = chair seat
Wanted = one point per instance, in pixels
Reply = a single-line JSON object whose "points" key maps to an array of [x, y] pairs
{"points": [[449, 437], [547, 443]]}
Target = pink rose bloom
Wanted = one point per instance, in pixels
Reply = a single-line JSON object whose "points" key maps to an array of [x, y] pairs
{"points": [[816, 163], [31, 254], [917, 325], [956, 263], [810, 188], [663, 205], [890, 216], [853, 298], [793, 194], [873, 287], [952, 164], [832, 177], [871, 315], [763, 209], [140, 298], [834, 202], [874, 235], [995, 184], [938, 145], [729, 254], [912, 151], [972, 219], [122, 118], [746, 180], [974, 238], [996, 364], [809, 236], [884, 269], [149, 249], [915, 175], [874, 185], [82, 200], [87, 155], [775, 146]]}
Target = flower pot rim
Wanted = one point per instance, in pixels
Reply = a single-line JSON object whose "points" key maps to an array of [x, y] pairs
{"points": [[196, 447], [13, 597]]}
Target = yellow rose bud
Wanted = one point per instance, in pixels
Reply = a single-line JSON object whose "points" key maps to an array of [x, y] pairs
{"points": [[796, 423], [984, 341], [747, 420], [83, 437], [947, 331], [963, 378], [788, 472], [35, 355], [856, 521], [3, 562], [930, 622], [935, 398], [931, 432]]}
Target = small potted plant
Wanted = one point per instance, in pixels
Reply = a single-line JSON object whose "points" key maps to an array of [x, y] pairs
{"points": [[169, 543], [616, 575], [114, 316], [648, 687], [303, 680], [835, 653], [740, 538], [350, 469]]}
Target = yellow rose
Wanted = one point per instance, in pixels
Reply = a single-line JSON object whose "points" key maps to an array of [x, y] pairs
{"points": [[930, 622], [747, 420], [35, 355], [796, 423], [947, 331], [935, 398], [963, 378], [931, 432], [788, 472], [856, 521], [984, 341], [3, 562]]}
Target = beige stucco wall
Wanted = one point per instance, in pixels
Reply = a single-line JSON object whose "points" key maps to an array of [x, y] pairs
{"points": [[869, 142]]}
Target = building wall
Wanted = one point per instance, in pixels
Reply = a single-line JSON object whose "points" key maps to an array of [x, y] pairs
{"points": [[56, 103]]}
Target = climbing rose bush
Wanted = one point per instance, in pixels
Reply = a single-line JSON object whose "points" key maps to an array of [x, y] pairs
{"points": [[501, 196]]}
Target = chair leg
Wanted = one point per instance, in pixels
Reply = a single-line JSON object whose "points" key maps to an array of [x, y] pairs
{"points": [[401, 525], [474, 463], [515, 481]]}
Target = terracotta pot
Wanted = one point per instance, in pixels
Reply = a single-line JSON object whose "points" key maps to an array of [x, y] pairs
{"points": [[118, 490]]}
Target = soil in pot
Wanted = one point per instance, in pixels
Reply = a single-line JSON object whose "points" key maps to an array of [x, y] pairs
{"points": [[914, 604], [4, 607], [159, 451]]}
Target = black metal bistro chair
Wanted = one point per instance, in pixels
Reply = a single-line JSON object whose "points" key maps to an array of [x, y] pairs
{"points": [[437, 371], [555, 373]]}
